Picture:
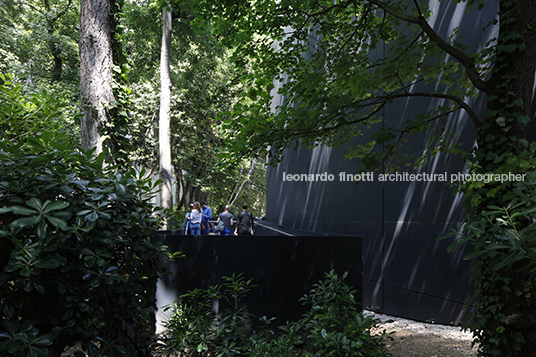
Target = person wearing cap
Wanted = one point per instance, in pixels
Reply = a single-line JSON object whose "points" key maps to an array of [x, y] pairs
{"points": [[207, 215], [186, 224]]}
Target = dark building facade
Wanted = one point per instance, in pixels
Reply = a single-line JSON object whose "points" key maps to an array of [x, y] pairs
{"points": [[407, 270]]}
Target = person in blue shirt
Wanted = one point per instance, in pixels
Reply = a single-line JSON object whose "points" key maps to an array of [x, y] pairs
{"points": [[207, 215]]}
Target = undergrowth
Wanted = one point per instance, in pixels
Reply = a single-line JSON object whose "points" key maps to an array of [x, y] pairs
{"points": [[334, 325]]}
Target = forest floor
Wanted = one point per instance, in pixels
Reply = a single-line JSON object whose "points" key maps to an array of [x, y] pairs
{"points": [[418, 339]]}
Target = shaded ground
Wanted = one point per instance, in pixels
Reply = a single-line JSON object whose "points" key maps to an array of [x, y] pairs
{"points": [[417, 339]]}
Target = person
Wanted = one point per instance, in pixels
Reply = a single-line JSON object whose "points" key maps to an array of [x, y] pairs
{"points": [[207, 215], [195, 219], [186, 224], [227, 219], [244, 222]]}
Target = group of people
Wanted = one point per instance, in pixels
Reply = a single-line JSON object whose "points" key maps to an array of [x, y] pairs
{"points": [[197, 221]]}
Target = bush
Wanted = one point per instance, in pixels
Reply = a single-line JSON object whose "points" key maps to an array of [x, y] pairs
{"points": [[76, 261], [29, 111], [334, 326]]}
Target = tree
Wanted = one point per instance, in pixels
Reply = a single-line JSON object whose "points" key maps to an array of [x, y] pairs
{"points": [[203, 83], [29, 31], [39, 35], [164, 136], [326, 58], [55, 49], [96, 66]]}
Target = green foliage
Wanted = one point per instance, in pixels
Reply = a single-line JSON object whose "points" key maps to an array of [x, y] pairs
{"points": [[118, 129], [23, 112], [500, 240], [39, 51], [326, 60], [37, 37], [195, 330], [253, 193], [503, 275], [76, 261], [333, 326], [204, 87], [500, 225], [501, 233]]}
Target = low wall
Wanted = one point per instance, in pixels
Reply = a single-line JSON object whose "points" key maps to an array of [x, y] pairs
{"points": [[283, 268]]}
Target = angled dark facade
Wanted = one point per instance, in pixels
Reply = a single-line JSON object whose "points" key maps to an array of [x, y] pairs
{"points": [[407, 271]]}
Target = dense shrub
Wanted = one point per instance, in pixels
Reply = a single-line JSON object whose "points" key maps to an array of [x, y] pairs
{"points": [[28, 111], [333, 326], [76, 261]]}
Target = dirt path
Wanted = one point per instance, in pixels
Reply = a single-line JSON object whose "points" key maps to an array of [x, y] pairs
{"points": [[417, 339]]}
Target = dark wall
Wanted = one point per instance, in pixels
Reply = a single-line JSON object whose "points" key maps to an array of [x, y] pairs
{"points": [[283, 268], [407, 271]]}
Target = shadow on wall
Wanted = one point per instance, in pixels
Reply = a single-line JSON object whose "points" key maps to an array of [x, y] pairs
{"points": [[407, 271]]}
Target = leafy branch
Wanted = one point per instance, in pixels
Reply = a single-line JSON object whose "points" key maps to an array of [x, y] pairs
{"points": [[467, 62]]}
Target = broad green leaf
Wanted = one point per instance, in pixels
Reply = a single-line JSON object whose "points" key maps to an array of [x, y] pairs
{"points": [[47, 264], [36, 203], [57, 222], [93, 216], [35, 142], [56, 205], [13, 265], [41, 229], [23, 210], [40, 289], [86, 251], [25, 222]]}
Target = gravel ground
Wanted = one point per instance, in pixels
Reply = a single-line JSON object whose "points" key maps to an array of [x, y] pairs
{"points": [[418, 339]]}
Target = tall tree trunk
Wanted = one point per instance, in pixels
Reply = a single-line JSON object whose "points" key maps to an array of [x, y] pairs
{"points": [[55, 49], [246, 179], [500, 139], [164, 135], [96, 76]]}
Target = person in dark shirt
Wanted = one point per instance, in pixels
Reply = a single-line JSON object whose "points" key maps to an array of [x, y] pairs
{"points": [[186, 224], [244, 222]]}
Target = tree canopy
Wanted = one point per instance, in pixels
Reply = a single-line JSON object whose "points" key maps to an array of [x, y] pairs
{"points": [[204, 87], [339, 63]]}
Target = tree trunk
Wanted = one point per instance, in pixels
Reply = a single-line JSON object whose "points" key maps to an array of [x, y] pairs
{"points": [[55, 49], [246, 179], [96, 76], [500, 138], [164, 134]]}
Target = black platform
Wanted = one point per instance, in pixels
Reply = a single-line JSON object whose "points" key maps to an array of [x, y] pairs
{"points": [[283, 268]]}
